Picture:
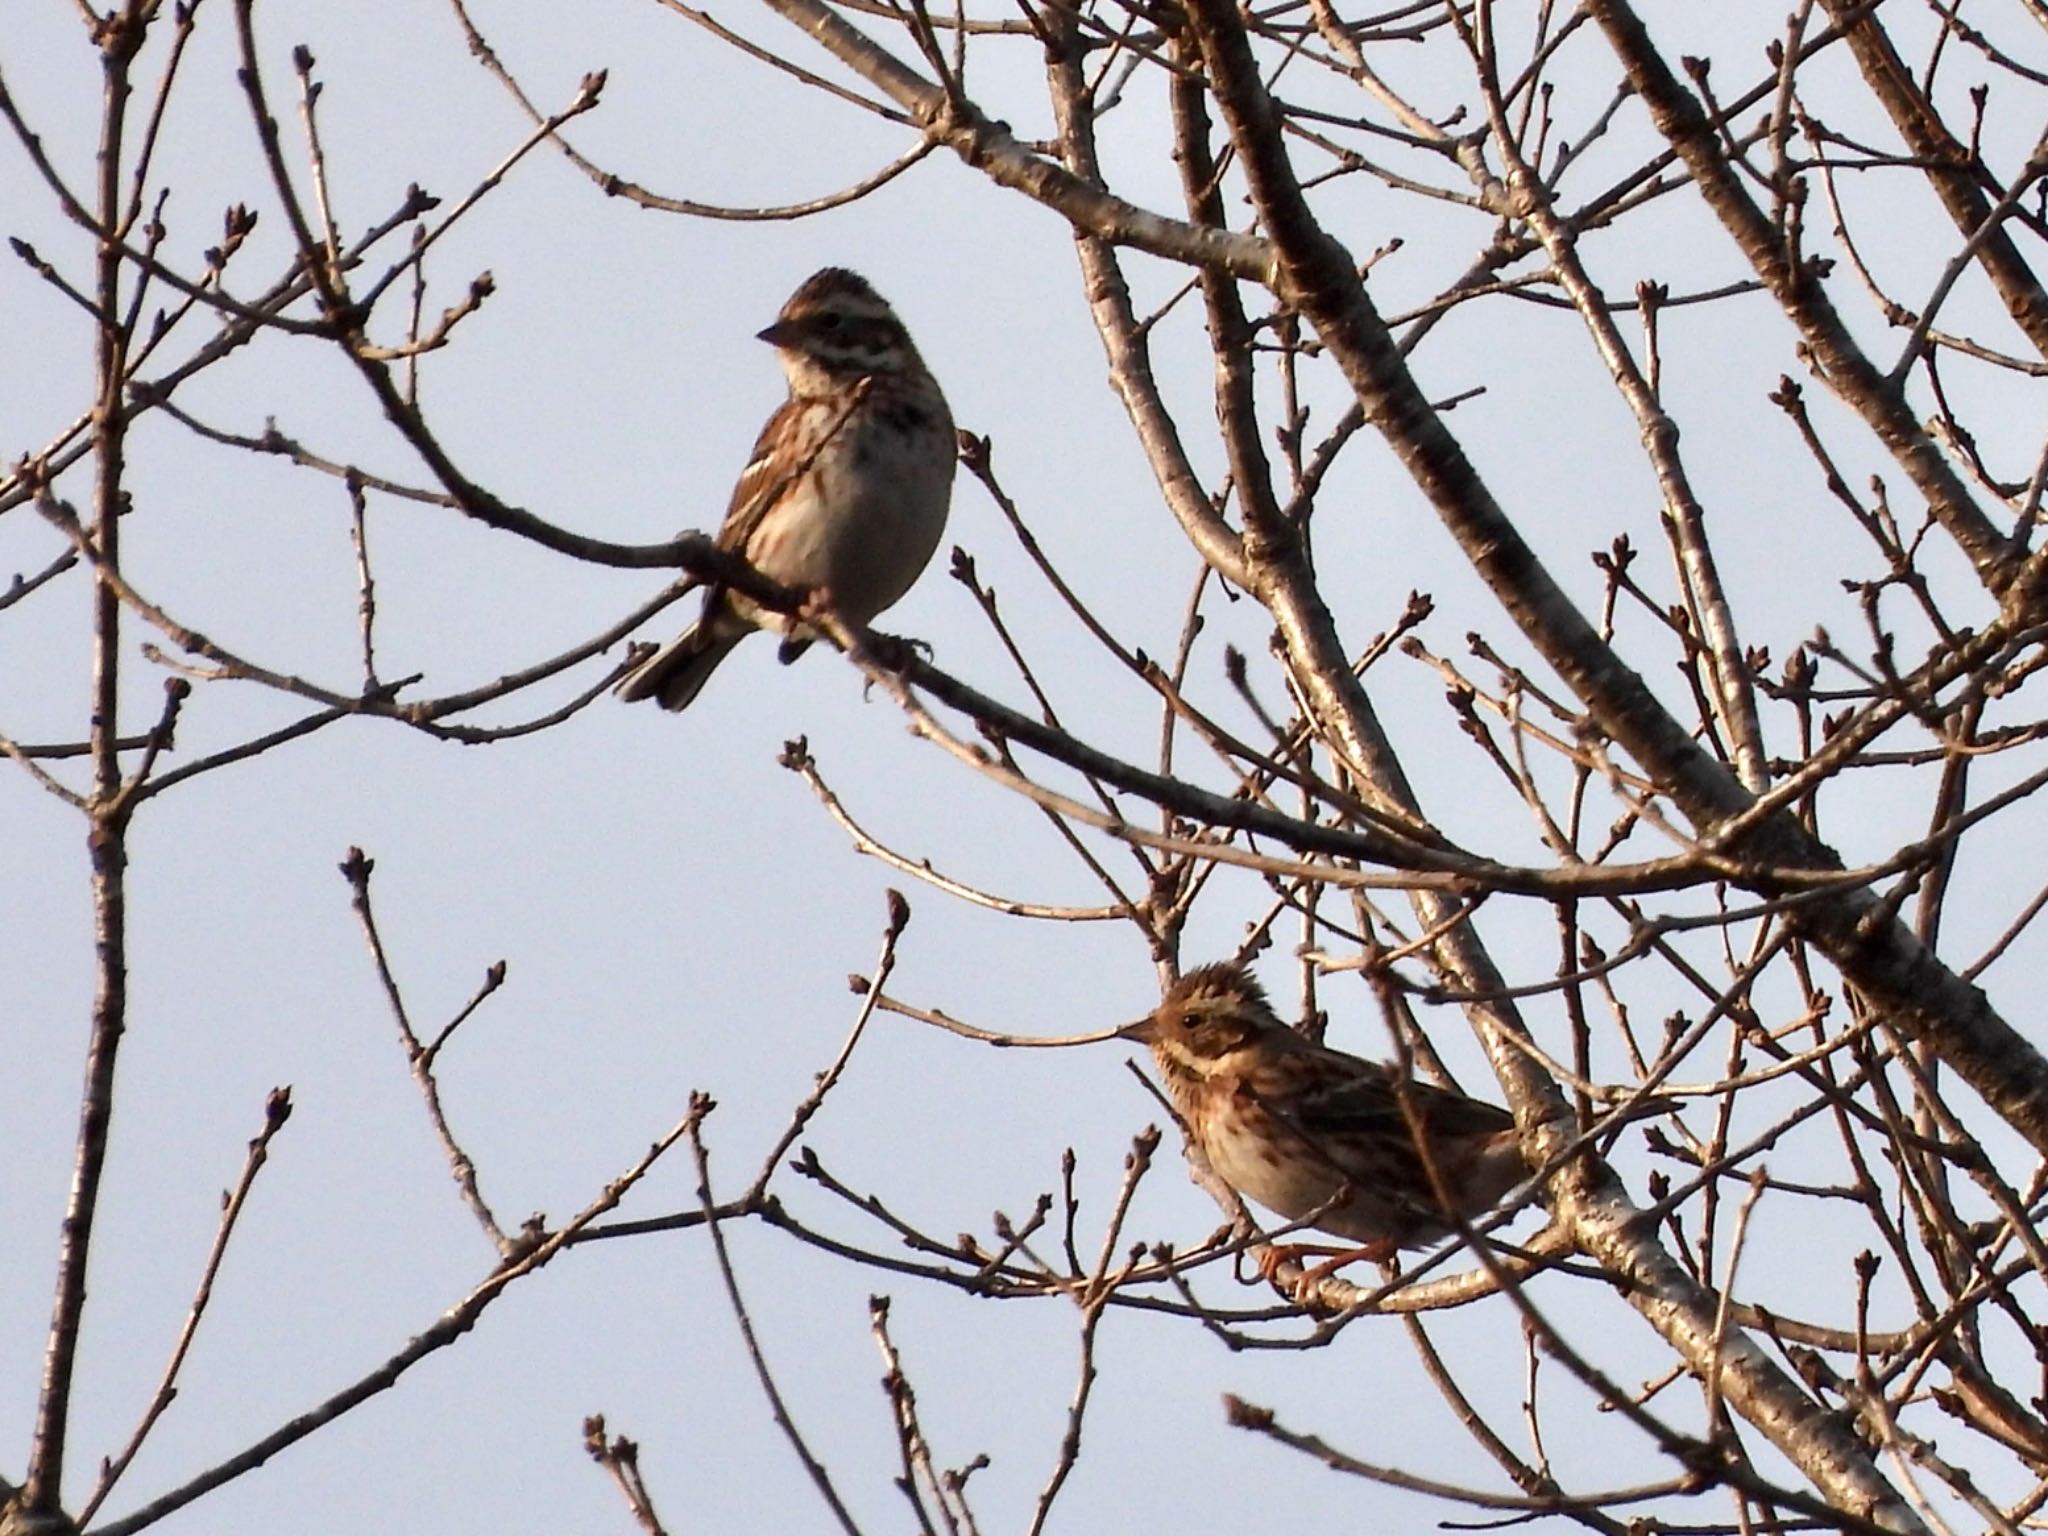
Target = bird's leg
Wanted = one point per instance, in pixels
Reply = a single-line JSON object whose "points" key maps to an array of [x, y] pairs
{"points": [[1275, 1254], [895, 651], [796, 634]]}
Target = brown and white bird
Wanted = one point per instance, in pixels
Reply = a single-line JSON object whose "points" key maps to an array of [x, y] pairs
{"points": [[847, 490], [1318, 1135]]}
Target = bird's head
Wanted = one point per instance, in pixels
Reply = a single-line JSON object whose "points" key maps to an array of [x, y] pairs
{"points": [[1206, 1019], [835, 327]]}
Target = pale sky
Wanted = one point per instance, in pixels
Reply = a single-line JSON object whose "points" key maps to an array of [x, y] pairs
{"points": [[677, 911]]}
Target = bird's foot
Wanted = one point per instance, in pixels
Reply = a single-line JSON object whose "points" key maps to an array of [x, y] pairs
{"points": [[897, 651], [1303, 1289]]}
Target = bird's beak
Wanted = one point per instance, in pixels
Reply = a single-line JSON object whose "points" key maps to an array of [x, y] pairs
{"points": [[782, 333], [1142, 1031]]}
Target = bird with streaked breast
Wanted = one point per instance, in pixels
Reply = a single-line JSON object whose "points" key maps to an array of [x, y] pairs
{"points": [[847, 490], [1315, 1134]]}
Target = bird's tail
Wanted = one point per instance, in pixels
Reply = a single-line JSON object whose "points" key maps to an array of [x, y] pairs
{"points": [[677, 672]]}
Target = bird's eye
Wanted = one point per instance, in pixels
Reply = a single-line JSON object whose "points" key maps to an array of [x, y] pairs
{"points": [[830, 321]]}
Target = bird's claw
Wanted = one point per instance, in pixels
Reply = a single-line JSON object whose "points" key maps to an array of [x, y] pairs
{"points": [[1304, 1289], [897, 651]]}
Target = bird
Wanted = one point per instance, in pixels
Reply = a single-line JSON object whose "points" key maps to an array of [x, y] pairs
{"points": [[846, 492], [1317, 1135]]}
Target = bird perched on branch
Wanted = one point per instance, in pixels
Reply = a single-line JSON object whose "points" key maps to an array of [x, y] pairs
{"points": [[846, 492], [1317, 1135]]}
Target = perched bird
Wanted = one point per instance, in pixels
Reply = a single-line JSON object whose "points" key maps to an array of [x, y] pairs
{"points": [[847, 489], [1315, 1134]]}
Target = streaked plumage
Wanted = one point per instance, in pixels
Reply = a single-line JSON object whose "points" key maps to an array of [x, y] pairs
{"points": [[1297, 1126], [847, 488]]}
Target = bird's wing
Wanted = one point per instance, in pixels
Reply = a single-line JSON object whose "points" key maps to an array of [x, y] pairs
{"points": [[760, 483], [1367, 1099]]}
